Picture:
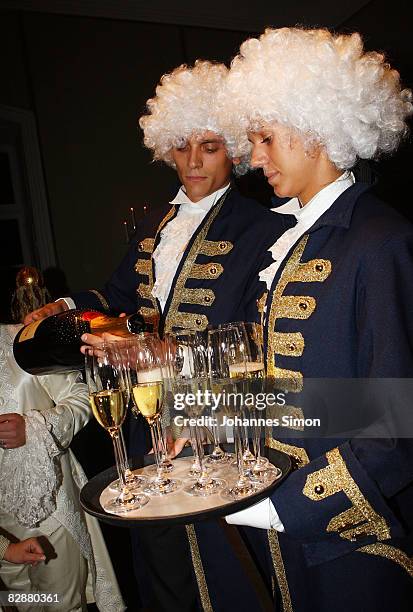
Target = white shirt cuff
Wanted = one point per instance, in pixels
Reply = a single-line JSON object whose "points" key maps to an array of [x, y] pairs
{"points": [[262, 515], [70, 303]]}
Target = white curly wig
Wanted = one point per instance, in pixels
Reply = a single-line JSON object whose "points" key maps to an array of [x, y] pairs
{"points": [[321, 85], [188, 101]]}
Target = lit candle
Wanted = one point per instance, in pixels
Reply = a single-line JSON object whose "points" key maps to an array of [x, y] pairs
{"points": [[132, 212], [125, 225]]}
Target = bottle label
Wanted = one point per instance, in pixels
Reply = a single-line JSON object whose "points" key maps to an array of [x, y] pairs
{"points": [[29, 331]]}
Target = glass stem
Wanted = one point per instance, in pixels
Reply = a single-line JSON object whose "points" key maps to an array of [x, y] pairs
{"points": [[239, 451], [203, 476], [125, 494], [124, 454], [155, 434]]}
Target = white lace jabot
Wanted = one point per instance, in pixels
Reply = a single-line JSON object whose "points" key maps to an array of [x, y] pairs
{"points": [[175, 237], [306, 217]]}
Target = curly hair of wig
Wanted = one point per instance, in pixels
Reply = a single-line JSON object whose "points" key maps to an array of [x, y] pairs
{"points": [[322, 85], [188, 101]]}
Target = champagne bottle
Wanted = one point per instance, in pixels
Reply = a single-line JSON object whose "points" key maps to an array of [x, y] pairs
{"points": [[52, 344]]}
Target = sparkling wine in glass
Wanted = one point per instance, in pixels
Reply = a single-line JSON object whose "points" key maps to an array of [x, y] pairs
{"points": [[148, 396], [108, 400]]}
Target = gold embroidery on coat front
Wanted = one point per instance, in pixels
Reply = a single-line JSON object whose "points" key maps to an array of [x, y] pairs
{"points": [[279, 569], [199, 569], [211, 248], [146, 245], [390, 552], [189, 269], [358, 521], [207, 271], [298, 454], [145, 267], [204, 297], [292, 307]]}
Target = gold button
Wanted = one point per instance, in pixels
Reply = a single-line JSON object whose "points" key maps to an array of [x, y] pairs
{"points": [[319, 267], [319, 489], [207, 299], [198, 321], [292, 346], [222, 246], [303, 305], [213, 270]]}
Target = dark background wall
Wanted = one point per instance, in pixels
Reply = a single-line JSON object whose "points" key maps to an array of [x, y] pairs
{"points": [[87, 79]]}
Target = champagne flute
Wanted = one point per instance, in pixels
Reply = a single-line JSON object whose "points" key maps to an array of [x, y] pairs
{"points": [[216, 386], [190, 377], [118, 355], [108, 399], [148, 394], [230, 374]]}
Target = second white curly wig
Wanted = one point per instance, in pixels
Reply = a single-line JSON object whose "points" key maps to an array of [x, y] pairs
{"points": [[322, 85], [188, 101]]}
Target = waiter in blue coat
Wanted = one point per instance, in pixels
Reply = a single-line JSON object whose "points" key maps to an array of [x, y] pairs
{"points": [[338, 308], [193, 263]]}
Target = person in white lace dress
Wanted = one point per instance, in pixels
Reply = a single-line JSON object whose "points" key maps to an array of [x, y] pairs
{"points": [[39, 488]]}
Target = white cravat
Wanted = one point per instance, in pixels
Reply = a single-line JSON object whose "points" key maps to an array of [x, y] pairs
{"points": [[306, 217], [263, 515], [175, 237]]}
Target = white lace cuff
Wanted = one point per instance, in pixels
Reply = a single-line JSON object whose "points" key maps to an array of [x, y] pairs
{"points": [[31, 475]]}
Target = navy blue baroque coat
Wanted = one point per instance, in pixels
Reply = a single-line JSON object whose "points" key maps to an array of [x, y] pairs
{"points": [[341, 307], [216, 278]]}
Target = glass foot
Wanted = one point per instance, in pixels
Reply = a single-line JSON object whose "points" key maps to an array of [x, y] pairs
{"points": [[265, 475], [167, 466], [134, 482], [198, 489], [162, 486], [123, 506], [218, 457], [239, 490]]}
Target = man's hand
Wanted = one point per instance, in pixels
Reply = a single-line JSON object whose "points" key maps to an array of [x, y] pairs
{"points": [[27, 552], [93, 340], [50, 309], [12, 430]]}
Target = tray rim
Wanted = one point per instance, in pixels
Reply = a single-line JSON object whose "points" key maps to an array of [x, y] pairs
{"points": [[108, 475]]}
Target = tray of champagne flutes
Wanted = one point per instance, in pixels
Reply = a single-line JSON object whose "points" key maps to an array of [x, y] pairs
{"points": [[178, 507], [173, 382]]}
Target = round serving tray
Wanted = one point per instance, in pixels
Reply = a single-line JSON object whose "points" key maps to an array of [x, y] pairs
{"points": [[179, 507]]}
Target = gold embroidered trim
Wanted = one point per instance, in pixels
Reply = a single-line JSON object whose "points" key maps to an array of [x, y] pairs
{"points": [[295, 306], [358, 521], [148, 313], [289, 344], [188, 320], [144, 266], [205, 297], [296, 452], [100, 298], [199, 569], [146, 245], [279, 569], [213, 248], [206, 271], [390, 552], [288, 380], [144, 291], [173, 317]]}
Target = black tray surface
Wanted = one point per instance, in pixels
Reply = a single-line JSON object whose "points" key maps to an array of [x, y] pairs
{"points": [[178, 507]]}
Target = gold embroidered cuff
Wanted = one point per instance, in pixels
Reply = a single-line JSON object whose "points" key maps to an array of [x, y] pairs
{"points": [[145, 291], [100, 298]]}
